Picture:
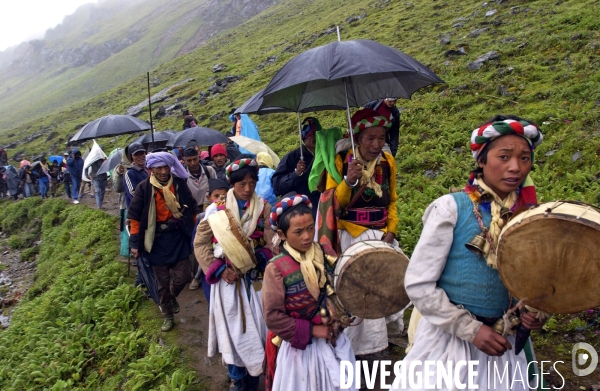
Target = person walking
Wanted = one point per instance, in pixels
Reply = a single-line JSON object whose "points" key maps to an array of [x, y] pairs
{"points": [[53, 172], [66, 175], [162, 220], [75, 165], [100, 181]]}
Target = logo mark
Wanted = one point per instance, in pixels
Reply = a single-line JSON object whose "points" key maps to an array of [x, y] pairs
{"points": [[584, 353]]}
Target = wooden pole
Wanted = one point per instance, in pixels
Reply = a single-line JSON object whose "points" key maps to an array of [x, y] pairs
{"points": [[150, 109]]}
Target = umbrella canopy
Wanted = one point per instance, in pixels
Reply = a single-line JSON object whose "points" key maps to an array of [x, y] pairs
{"points": [[253, 106], [202, 136], [255, 147], [163, 136], [368, 69], [113, 160], [148, 278], [110, 125], [56, 158]]}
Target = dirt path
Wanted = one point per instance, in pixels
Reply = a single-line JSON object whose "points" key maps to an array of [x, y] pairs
{"points": [[192, 326]]}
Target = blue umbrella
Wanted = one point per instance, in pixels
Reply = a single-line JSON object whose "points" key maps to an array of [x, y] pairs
{"points": [[57, 159]]}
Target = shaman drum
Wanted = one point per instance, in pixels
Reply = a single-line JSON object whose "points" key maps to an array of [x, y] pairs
{"points": [[549, 257], [369, 279]]}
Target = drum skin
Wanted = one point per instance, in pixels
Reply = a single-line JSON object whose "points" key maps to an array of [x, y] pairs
{"points": [[369, 279], [549, 257]]}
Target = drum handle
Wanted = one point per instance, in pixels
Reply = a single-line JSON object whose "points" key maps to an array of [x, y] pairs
{"points": [[561, 202]]}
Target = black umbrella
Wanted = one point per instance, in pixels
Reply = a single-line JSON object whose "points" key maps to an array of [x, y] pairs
{"points": [[147, 276], [202, 136], [367, 69], [110, 125], [253, 106], [111, 162], [163, 136]]}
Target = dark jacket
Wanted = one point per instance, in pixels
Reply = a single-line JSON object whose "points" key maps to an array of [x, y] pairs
{"points": [[392, 135], [134, 176], [285, 179], [140, 207], [220, 172], [75, 167], [32, 175], [53, 171]]}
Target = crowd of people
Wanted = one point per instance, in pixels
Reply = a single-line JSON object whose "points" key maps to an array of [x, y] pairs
{"points": [[261, 242], [44, 176]]}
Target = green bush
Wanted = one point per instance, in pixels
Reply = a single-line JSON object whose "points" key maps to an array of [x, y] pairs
{"points": [[16, 242], [78, 326]]}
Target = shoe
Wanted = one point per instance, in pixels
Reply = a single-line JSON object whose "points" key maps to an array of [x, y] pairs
{"points": [[167, 325], [195, 284], [75, 202], [237, 385], [175, 306], [251, 382]]}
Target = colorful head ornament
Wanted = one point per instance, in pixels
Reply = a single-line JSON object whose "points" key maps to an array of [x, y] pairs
{"points": [[482, 136], [285, 205], [236, 165], [310, 125], [368, 118]]}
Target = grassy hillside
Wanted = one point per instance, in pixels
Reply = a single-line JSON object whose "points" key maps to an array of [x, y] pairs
{"points": [[82, 325], [547, 71]]}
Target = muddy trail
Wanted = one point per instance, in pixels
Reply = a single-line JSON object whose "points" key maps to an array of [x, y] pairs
{"points": [[191, 323]]}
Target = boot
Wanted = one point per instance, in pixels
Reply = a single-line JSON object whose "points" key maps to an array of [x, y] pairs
{"points": [[195, 284], [237, 385], [252, 382], [175, 306], [167, 325]]}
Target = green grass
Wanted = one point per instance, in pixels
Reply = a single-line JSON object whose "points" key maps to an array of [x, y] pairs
{"points": [[82, 324]]}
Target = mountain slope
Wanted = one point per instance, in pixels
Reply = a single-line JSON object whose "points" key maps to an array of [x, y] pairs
{"points": [[546, 67], [546, 70], [103, 45]]}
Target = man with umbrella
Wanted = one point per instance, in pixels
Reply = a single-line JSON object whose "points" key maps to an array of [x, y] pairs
{"points": [[162, 221], [292, 173]]}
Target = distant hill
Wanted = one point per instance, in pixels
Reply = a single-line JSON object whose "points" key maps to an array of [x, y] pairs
{"points": [[103, 45]]}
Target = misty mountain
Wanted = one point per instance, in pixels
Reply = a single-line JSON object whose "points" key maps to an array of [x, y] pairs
{"points": [[102, 45]]}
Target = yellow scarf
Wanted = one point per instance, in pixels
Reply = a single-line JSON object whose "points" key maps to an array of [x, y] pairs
{"points": [[367, 175], [170, 199], [497, 222], [310, 262]]}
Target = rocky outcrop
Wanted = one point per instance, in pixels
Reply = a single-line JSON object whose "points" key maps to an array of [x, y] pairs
{"points": [[158, 97], [40, 54]]}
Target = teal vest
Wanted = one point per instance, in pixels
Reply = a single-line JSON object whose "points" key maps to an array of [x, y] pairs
{"points": [[466, 278]]}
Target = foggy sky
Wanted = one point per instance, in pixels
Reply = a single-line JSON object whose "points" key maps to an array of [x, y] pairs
{"points": [[23, 20]]}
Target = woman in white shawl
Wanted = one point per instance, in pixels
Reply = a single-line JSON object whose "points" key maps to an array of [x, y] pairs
{"points": [[458, 292], [234, 266]]}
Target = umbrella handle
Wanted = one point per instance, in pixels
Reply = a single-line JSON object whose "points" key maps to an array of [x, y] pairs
{"points": [[300, 134], [350, 132]]}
